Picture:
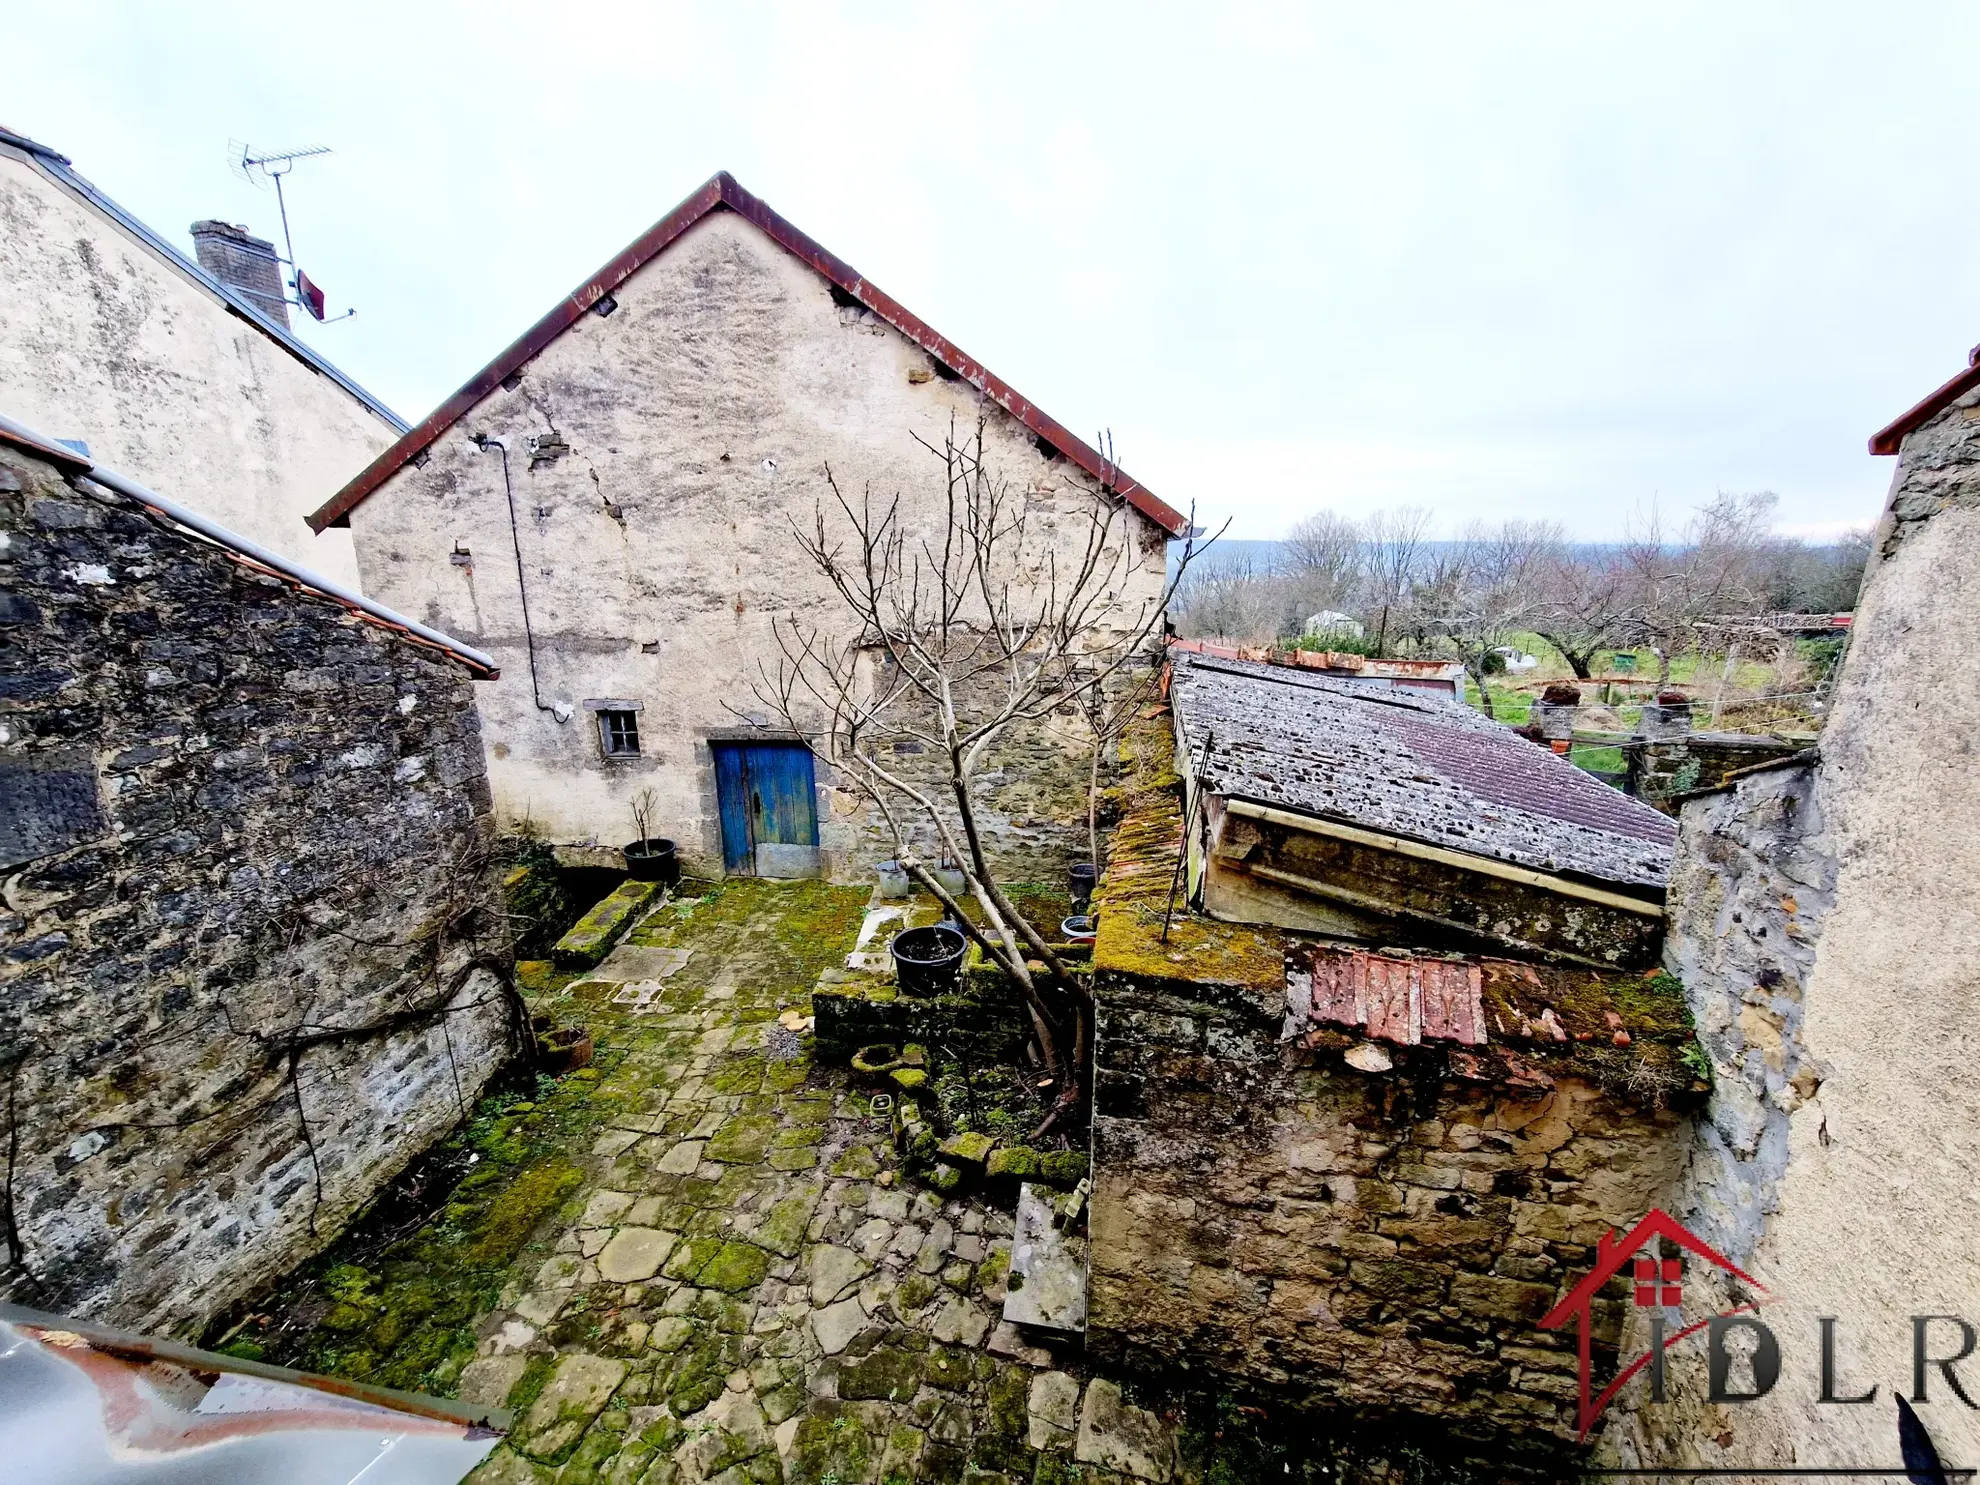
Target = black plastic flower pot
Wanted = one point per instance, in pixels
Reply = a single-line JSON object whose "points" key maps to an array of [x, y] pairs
{"points": [[928, 961], [653, 860], [1079, 883]]}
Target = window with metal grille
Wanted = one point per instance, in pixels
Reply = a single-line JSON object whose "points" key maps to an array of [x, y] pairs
{"points": [[619, 732]]}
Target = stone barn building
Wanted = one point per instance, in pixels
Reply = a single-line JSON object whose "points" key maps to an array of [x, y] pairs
{"points": [[253, 958], [183, 374], [608, 508]]}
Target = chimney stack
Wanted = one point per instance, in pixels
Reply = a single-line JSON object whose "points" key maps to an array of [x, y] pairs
{"points": [[246, 264]]}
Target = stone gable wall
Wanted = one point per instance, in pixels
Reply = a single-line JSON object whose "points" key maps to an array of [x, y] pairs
{"points": [[659, 458], [253, 958], [103, 340]]}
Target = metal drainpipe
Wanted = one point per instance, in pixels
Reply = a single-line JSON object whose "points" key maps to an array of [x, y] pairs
{"points": [[483, 442]]}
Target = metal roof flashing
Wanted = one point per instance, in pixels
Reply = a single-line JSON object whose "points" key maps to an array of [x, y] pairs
{"points": [[252, 554], [58, 169], [722, 193]]}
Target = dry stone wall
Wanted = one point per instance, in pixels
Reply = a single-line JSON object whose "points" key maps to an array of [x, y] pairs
{"points": [[1333, 1239], [252, 955]]}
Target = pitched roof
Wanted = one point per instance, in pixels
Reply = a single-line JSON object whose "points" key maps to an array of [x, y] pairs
{"points": [[723, 194], [1887, 439], [1410, 764], [58, 168], [250, 554]]}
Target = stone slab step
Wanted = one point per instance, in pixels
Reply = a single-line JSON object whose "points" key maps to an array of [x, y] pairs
{"points": [[593, 936]]}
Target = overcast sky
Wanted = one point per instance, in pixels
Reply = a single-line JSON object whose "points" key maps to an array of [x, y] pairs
{"points": [[1500, 259]]}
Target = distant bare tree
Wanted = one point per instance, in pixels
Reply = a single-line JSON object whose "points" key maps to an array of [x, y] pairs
{"points": [[983, 623], [1588, 603], [1232, 596], [1394, 543], [1477, 594], [1322, 561], [1712, 569]]}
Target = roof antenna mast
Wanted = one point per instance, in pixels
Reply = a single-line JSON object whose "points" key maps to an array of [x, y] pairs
{"points": [[258, 168]]}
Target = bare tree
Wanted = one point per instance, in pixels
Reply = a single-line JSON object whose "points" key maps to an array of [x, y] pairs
{"points": [[1394, 543], [1322, 561], [1712, 569], [981, 623], [1587, 605], [1233, 597], [1476, 594]]}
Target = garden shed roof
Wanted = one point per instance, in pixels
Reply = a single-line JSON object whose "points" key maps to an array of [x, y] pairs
{"points": [[1410, 765]]}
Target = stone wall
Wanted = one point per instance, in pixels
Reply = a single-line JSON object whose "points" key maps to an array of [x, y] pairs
{"points": [[253, 958], [1662, 771], [1836, 910], [1377, 1245], [1342, 1240], [105, 340]]}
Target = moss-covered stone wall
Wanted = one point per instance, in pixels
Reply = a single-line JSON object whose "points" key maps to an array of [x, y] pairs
{"points": [[1268, 1216], [254, 952]]}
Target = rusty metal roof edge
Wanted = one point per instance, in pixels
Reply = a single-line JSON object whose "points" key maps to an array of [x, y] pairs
{"points": [[129, 1343], [1886, 440], [61, 456], [723, 191]]}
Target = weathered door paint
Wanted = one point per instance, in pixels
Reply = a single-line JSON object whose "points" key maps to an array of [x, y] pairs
{"points": [[767, 796]]}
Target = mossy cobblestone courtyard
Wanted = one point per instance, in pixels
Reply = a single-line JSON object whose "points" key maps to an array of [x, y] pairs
{"points": [[695, 1260]]}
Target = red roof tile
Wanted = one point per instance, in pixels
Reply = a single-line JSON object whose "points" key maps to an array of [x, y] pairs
{"points": [[722, 193]]}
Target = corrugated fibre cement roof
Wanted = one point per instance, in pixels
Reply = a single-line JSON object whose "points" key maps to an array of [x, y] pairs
{"points": [[1410, 764]]}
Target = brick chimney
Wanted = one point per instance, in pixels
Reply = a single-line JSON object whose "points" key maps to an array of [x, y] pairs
{"points": [[246, 264]]}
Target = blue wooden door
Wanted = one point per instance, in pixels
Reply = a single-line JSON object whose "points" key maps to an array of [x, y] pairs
{"points": [[767, 794]]}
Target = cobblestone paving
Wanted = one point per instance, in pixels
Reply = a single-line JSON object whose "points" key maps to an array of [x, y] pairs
{"points": [[747, 1293]]}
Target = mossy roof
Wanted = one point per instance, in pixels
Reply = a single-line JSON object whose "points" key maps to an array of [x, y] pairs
{"points": [[1631, 1033]]}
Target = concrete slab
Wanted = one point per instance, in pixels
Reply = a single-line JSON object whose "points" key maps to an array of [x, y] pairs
{"points": [[1047, 1284], [633, 962]]}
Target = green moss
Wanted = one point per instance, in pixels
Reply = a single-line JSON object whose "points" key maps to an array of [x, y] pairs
{"points": [[535, 1377], [738, 1073], [533, 1195], [946, 1368], [743, 1139], [1062, 1167], [734, 1267], [967, 1149], [783, 1230], [991, 1272], [856, 1162], [1012, 1162], [591, 938], [885, 1373]]}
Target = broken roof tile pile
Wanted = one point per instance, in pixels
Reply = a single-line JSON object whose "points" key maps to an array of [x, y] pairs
{"points": [[1495, 1020], [1420, 767]]}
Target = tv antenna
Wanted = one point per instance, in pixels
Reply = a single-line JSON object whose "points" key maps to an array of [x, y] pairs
{"points": [[258, 168]]}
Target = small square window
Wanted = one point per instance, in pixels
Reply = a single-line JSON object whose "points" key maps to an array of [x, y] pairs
{"points": [[619, 733]]}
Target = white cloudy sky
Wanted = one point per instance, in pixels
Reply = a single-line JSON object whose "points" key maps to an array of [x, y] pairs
{"points": [[1502, 259]]}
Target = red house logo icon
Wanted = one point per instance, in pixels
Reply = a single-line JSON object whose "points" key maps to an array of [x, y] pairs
{"points": [[1656, 1283]]}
